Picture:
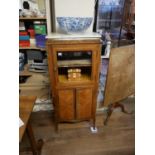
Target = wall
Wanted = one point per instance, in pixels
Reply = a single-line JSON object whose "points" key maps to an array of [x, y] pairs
{"points": [[41, 4]]}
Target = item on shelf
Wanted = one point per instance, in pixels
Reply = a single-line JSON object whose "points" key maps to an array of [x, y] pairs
{"points": [[39, 66], [24, 39], [21, 61], [23, 33], [32, 37], [74, 24], [40, 27], [40, 40], [35, 55], [37, 61], [26, 13], [24, 43], [21, 26], [29, 8], [31, 13], [31, 32], [32, 42], [40, 33], [74, 74]]}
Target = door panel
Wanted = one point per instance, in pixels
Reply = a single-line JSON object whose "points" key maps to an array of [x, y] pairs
{"points": [[66, 104], [83, 103]]}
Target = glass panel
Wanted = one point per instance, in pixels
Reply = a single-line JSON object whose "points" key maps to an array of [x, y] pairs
{"points": [[73, 55], [74, 65], [109, 18]]}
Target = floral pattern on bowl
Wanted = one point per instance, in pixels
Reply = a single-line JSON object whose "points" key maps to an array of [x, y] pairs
{"points": [[74, 24]]}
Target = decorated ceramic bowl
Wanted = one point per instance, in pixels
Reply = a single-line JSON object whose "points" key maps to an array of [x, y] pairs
{"points": [[74, 24]]}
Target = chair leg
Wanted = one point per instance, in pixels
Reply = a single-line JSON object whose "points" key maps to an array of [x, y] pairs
{"points": [[32, 139], [111, 107], [109, 112], [36, 146]]}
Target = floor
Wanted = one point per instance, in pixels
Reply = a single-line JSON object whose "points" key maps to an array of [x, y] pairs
{"points": [[117, 138]]}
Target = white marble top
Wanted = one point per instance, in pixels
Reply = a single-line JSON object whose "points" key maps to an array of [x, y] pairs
{"points": [[92, 35]]}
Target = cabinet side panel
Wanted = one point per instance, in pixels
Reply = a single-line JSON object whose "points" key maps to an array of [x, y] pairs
{"points": [[50, 68], [84, 103], [66, 104]]}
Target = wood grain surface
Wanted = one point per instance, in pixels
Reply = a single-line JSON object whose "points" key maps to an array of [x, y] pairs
{"points": [[118, 138], [26, 104], [66, 104], [120, 81]]}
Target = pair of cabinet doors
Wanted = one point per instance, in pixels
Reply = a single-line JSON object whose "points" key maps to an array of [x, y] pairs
{"points": [[75, 104]]}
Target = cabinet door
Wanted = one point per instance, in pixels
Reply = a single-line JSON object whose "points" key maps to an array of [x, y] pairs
{"points": [[66, 104], [84, 103], [79, 56]]}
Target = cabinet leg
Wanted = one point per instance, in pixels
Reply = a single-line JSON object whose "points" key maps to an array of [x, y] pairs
{"points": [[56, 126], [94, 123], [55, 118], [56, 122], [93, 126]]}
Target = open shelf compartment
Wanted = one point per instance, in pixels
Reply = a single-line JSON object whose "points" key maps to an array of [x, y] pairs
{"points": [[63, 74], [74, 66]]}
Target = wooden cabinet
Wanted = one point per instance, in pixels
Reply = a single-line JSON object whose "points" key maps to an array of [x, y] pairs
{"points": [[74, 98]]}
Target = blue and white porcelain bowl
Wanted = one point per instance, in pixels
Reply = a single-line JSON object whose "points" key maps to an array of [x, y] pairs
{"points": [[74, 24]]}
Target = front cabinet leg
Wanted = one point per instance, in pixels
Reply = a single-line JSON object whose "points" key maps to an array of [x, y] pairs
{"points": [[56, 120], [94, 123], [56, 126]]}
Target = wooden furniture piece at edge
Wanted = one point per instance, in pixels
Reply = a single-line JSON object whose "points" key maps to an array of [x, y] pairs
{"points": [[26, 104], [74, 101], [120, 81]]}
